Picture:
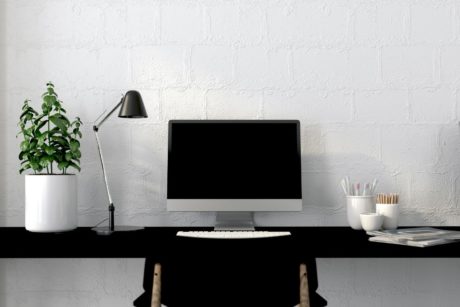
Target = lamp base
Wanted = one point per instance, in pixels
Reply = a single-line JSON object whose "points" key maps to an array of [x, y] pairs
{"points": [[105, 231]]}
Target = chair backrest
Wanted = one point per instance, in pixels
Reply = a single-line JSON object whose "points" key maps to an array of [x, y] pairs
{"points": [[304, 291]]}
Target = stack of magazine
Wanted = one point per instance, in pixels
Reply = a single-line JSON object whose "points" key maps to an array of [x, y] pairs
{"points": [[419, 236]]}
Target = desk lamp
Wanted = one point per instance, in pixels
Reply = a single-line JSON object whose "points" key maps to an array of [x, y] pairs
{"points": [[131, 106]]}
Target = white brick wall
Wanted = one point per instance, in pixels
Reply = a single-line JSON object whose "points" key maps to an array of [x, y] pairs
{"points": [[211, 67], [321, 68], [431, 23], [181, 22], [408, 66], [382, 107], [374, 83]]}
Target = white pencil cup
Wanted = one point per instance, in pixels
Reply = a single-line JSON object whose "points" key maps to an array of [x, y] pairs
{"points": [[357, 205], [390, 214]]}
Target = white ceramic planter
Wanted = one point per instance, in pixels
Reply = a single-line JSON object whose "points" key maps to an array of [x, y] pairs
{"points": [[51, 203]]}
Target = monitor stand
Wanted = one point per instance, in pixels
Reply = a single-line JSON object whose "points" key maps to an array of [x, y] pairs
{"points": [[234, 221]]}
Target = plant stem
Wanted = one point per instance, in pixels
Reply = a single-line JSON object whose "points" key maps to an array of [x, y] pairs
{"points": [[49, 143]]}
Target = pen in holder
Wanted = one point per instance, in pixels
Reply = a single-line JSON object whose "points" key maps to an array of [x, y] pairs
{"points": [[360, 199], [388, 206]]}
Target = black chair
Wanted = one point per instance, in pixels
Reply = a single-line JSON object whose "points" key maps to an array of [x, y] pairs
{"points": [[194, 282]]}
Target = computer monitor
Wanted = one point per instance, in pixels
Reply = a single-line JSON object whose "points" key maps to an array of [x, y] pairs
{"points": [[234, 166]]}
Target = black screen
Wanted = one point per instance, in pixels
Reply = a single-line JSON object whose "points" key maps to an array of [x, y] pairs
{"points": [[257, 159]]}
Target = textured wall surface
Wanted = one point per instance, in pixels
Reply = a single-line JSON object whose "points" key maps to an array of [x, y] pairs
{"points": [[374, 83]]}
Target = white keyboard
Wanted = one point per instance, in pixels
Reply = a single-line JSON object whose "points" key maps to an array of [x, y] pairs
{"points": [[232, 234]]}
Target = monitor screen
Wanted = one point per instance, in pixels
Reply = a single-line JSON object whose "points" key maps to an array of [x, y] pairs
{"points": [[221, 159]]}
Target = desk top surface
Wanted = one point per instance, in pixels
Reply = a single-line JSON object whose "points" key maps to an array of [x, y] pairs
{"points": [[318, 242]]}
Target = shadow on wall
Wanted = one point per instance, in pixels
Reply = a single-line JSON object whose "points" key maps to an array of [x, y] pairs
{"points": [[322, 194], [324, 203]]}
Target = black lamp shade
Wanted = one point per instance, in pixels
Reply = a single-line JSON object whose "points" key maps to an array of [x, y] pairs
{"points": [[132, 106]]}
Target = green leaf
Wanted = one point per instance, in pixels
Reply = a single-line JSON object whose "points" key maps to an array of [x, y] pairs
{"points": [[25, 104], [24, 145], [77, 154], [63, 165], [46, 160], [59, 123], [50, 100], [37, 120], [74, 145], [27, 110], [64, 118], [24, 167], [24, 113], [49, 150], [60, 140], [32, 144], [39, 126], [46, 109], [41, 139], [35, 166], [21, 155], [68, 156], [36, 135], [71, 164]]}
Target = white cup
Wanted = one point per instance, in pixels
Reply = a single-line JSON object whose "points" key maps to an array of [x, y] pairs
{"points": [[357, 205], [390, 214], [371, 221]]}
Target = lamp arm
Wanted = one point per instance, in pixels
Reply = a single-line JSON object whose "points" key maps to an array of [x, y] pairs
{"points": [[111, 206], [96, 127], [97, 124]]}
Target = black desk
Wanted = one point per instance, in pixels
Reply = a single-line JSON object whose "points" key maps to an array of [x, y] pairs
{"points": [[318, 242], [178, 254]]}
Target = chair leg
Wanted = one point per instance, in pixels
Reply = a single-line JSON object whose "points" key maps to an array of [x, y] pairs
{"points": [[304, 291], [156, 289]]}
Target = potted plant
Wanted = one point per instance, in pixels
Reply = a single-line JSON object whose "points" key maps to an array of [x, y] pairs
{"points": [[49, 148]]}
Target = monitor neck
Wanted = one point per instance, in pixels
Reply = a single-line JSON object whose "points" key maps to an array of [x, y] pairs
{"points": [[234, 221]]}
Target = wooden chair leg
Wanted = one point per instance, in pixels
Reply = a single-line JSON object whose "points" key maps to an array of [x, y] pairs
{"points": [[304, 291], [156, 289]]}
